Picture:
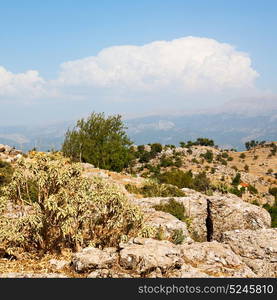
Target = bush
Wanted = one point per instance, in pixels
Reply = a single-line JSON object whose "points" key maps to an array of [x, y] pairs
{"points": [[64, 208], [242, 156], [177, 237], [236, 180], [273, 213], [273, 192], [178, 178], [100, 141], [252, 189], [246, 168], [6, 171], [174, 208], [154, 189], [201, 182], [208, 156]]}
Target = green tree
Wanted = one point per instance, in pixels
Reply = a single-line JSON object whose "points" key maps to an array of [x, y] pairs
{"points": [[100, 141]]}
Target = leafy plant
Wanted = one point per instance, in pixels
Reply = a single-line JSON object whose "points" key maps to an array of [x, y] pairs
{"points": [[60, 208], [174, 208]]}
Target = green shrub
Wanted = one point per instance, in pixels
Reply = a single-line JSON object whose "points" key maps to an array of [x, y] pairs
{"points": [[225, 155], [242, 156], [177, 237], [273, 213], [178, 178], [174, 208], [64, 208], [208, 156], [252, 190], [201, 182], [236, 180], [6, 171]]}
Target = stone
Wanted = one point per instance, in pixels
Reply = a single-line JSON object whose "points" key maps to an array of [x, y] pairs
{"points": [[229, 213], [145, 255], [215, 259], [257, 248], [167, 223], [91, 258], [58, 264]]}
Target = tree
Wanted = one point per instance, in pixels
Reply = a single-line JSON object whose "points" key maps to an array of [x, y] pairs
{"points": [[100, 141]]}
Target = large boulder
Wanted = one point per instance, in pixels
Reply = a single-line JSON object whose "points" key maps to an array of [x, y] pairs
{"points": [[257, 248], [227, 213], [215, 259], [146, 255], [92, 258]]}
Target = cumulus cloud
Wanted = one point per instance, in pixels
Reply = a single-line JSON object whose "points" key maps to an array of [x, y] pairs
{"points": [[188, 64], [23, 85], [163, 70]]}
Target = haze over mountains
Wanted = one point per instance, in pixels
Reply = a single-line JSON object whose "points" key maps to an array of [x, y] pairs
{"points": [[229, 126]]}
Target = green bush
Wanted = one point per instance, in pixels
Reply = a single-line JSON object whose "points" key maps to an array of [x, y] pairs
{"points": [[6, 171], [177, 177], [242, 156], [100, 141], [177, 237], [64, 208], [154, 189], [236, 180], [273, 213], [174, 208], [208, 156]]}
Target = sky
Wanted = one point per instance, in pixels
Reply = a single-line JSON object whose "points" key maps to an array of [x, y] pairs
{"points": [[61, 60]]}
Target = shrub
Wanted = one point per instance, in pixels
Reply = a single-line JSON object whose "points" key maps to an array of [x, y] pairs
{"points": [[6, 171], [156, 148], [236, 180], [208, 156], [242, 156], [246, 168], [230, 158], [273, 213], [65, 209], [273, 192], [174, 208], [201, 182], [100, 141], [225, 155], [166, 161], [252, 189], [177, 237], [178, 178]]}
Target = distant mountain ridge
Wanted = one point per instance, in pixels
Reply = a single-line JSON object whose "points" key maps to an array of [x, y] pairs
{"points": [[229, 130]]}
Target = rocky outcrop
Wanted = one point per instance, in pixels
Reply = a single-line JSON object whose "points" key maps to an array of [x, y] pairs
{"points": [[9, 154], [215, 259], [147, 255], [231, 213], [257, 248], [92, 258], [210, 216]]}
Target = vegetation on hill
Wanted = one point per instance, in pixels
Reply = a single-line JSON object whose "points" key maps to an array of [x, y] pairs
{"points": [[99, 140], [58, 208]]}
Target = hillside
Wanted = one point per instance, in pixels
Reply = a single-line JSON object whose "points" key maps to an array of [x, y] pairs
{"points": [[207, 222]]}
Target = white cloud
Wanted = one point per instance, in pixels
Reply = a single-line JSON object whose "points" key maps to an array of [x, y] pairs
{"points": [[188, 64], [22, 85], [159, 71]]}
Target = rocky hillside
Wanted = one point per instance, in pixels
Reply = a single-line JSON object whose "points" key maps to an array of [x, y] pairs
{"points": [[181, 232]]}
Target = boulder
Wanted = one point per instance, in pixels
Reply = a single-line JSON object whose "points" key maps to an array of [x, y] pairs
{"points": [[229, 213], [167, 223], [215, 259], [92, 258], [145, 255], [257, 248], [58, 264]]}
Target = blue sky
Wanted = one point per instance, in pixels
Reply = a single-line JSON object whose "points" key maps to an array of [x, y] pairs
{"points": [[41, 35]]}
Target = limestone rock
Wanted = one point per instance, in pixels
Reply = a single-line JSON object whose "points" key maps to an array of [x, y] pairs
{"points": [[167, 223], [258, 249], [145, 255], [58, 264], [215, 259], [92, 258], [231, 213]]}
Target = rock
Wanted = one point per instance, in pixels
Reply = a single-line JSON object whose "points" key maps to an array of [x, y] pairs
{"points": [[145, 255], [105, 273], [167, 223], [215, 259], [92, 258], [231, 213], [58, 264], [32, 275], [257, 248], [187, 271]]}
